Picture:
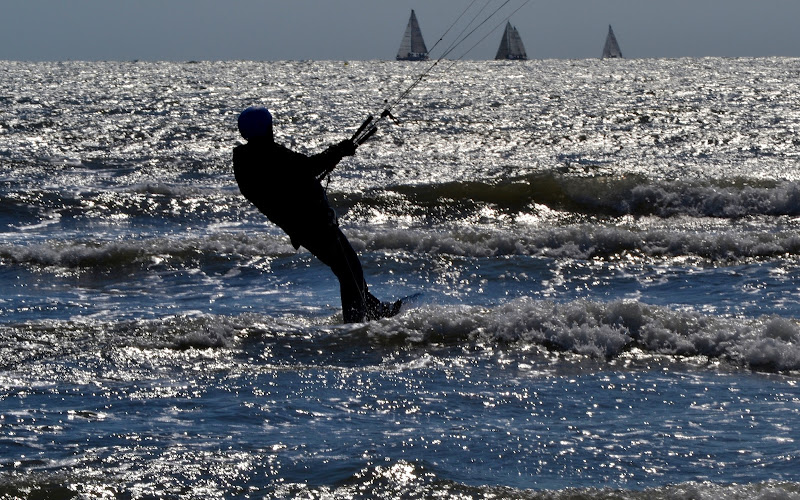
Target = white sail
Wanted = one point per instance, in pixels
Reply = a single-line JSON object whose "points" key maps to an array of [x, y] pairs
{"points": [[412, 48], [511, 46], [611, 49]]}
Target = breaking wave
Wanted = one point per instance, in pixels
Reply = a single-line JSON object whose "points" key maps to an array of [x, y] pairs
{"points": [[603, 330], [582, 241], [598, 195], [417, 479], [404, 479], [144, 252], [604, 194], [599, 330]]}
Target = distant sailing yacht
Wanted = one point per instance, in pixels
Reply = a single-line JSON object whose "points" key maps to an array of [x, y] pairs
{"points": [[511, 45], [611, 49], [412, 48]]}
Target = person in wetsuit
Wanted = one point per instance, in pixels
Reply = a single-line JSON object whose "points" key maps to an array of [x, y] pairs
{"points": [[285, 186]]}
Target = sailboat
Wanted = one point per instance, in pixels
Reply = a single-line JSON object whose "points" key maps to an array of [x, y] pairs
{"points": [[412, 48], [511, 45], [611, 49]]}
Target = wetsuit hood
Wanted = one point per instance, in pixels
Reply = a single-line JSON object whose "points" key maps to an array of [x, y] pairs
{"points": [[255, 122]]}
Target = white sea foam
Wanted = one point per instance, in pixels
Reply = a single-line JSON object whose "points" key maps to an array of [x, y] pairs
{"points": [[146, 251], [601, 330], [406, 479], [604, 330], [705, 199], [582, 241]]}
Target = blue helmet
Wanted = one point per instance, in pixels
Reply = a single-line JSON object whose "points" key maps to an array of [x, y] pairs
{"points": [[255, 121]]}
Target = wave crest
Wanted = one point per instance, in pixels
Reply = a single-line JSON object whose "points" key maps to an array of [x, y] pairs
{"points": [[603, 330], [594, 195], [115, 254], [598, 330], [581, 241]]}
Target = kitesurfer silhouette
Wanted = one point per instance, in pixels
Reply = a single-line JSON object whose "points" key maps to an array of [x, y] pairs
{"points": [[285, 186]]}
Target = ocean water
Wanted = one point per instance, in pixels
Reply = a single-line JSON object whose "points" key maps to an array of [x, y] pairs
{"points": [[607, 254]]}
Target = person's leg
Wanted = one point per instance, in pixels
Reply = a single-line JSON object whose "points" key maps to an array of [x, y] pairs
{"points": [[377, 309], [362, 304], [332, 248]]}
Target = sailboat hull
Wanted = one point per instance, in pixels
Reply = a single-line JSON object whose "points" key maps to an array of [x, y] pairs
{"points": [[413, 57]]}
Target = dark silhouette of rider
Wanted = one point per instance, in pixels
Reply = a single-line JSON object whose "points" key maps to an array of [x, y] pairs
{"points": [[285, 186]]}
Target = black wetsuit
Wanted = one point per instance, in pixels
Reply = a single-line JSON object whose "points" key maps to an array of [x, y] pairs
{"points": [[284, 186]]}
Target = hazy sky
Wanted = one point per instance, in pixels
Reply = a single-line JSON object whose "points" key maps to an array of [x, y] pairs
{"points": [[180, 30]]}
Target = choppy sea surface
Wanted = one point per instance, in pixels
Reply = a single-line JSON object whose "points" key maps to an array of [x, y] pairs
{"points": [[607, 251]]}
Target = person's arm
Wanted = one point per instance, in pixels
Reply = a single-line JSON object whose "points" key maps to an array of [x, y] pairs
{"points": [[323, 163]]}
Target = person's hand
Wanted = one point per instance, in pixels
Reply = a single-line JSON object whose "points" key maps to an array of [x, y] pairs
{"points": [[346, 147]]}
